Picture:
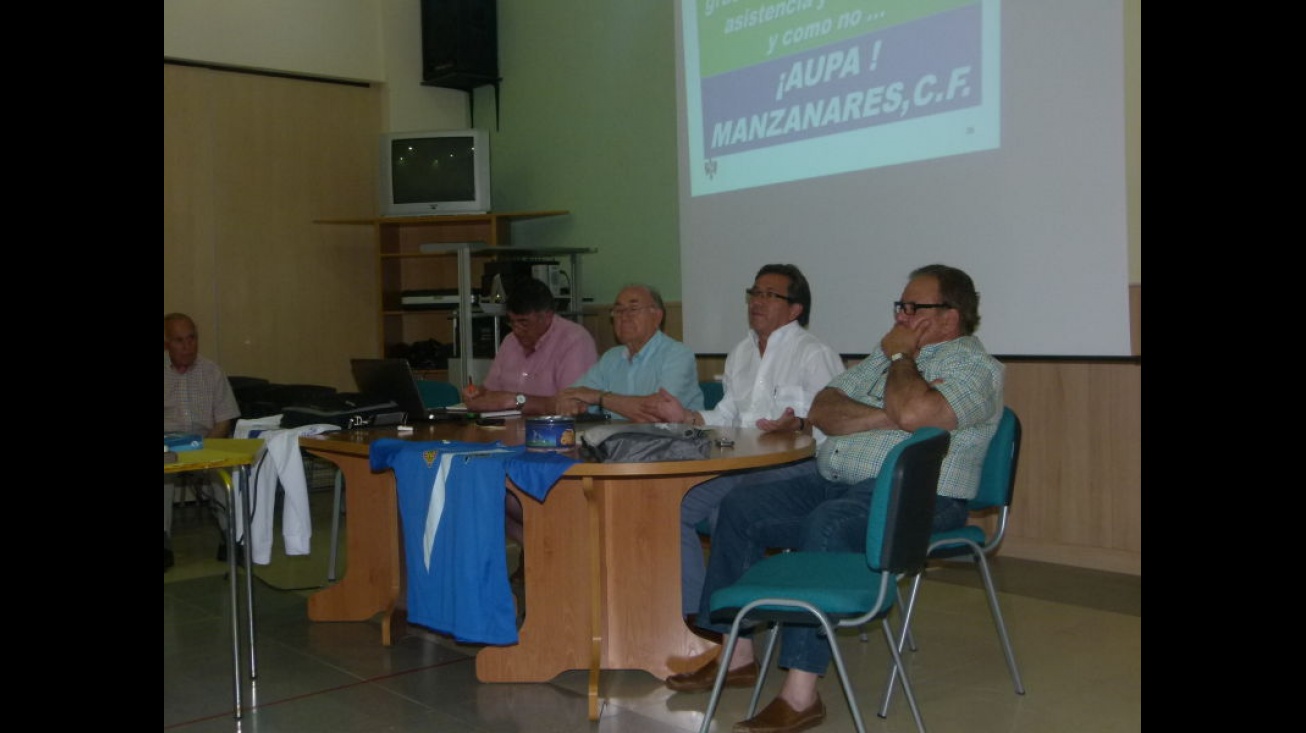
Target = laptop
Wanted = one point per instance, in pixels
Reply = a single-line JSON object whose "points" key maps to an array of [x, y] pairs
{"points": [[393, 379]]}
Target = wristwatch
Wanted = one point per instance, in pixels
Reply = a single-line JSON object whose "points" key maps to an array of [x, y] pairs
{"points": [[897, 357], [521, 400]]}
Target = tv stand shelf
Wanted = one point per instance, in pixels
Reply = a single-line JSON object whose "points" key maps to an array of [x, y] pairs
{"points": [[467, 242]]}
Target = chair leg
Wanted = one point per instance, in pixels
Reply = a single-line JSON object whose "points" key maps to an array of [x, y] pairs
{"points": [[911, 642], [765, 667], [991, 592], [908, 637], [904, 639], [902, 676], [848, 693], [733, 637], [731, 640], [335, 526]]}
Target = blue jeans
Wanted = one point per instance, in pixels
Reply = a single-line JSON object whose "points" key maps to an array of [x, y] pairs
{"points": [[701, 504], [807, 513]]}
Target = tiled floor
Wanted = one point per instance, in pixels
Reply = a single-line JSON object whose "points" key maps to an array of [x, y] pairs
{"points": [[1077, 636]]}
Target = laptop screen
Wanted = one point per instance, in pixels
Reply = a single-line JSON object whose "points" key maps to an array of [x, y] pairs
{"points": [[391, 379]]}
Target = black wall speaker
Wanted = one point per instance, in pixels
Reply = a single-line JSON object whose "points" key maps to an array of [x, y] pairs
{"points": [[460, 43]]}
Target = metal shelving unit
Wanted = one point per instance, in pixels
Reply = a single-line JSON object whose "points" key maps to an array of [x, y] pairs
{"points": [[464, 252]]}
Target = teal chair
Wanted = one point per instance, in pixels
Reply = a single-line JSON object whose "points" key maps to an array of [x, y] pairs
{"points": [[973, 543], [712, 393], [844, 589], [438, 394]]}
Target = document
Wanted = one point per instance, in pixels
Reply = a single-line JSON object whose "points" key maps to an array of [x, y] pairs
{"points": [[462, 409]]}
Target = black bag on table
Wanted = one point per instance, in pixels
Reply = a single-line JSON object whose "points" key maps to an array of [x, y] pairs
{"points": [[345, 410], [646, 443]]}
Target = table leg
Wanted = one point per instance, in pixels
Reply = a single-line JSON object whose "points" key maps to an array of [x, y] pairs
{"points": [[602, 584], [596, 594], [233, 584], [555, 635], [243, 489], [372, 539], [642, 623]]}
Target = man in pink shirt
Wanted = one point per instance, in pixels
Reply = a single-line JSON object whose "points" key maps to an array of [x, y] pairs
{"points": [[543, 354]]}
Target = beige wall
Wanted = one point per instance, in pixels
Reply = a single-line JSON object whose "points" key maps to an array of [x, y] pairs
{"points": [[336, 39], [248, 165]]}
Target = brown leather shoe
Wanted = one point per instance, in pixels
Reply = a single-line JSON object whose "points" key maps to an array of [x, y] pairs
{"points": [[778, 717], [702, 679]]}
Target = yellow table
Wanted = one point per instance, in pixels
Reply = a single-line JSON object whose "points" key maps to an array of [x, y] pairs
{"points": [[222, 455]]}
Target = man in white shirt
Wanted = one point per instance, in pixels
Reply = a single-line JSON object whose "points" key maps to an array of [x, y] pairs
{"points": [[771, 377]]}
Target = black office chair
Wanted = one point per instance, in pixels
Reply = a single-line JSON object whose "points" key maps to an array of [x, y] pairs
{"points": [[844, 589]]}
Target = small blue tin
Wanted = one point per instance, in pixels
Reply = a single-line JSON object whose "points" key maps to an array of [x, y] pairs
{"points": [[550, 433]]}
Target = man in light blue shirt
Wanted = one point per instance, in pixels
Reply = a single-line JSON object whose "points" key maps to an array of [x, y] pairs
{"points": [[645, 361]]}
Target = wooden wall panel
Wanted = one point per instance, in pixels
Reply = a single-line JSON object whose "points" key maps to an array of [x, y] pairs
{"points": [[1079, 485], [249, 163], [188, 232]]}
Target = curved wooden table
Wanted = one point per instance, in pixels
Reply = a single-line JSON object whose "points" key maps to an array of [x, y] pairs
{"points": [[603, 554]]}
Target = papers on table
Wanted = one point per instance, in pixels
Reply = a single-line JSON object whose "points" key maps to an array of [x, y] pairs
{"points": [[462, 409]]}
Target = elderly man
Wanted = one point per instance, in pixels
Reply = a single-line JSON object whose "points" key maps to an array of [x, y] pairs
{"points": [[929, 370], [771, 378], [543, 354], [197, 398], [645, 361]]}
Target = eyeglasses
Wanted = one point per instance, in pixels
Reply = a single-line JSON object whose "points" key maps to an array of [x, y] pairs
{"points": [[627, 310], [910, 308], [754, 293]]}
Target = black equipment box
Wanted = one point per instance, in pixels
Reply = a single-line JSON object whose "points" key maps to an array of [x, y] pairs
{"points": [[345, 410]]}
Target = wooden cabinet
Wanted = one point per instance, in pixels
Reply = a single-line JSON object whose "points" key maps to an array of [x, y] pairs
{"points": [[445, 253]]}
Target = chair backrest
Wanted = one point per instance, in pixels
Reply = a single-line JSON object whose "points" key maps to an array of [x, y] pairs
{"points": [[901, 514], [291, 395], [249, 393], [712, 393], [438, 394], [238, 382], [998, 477], [261, 400]]}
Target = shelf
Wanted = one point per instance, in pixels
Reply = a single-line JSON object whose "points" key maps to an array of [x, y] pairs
{"points": [[446, 218], [486, 250], [473, 240]]}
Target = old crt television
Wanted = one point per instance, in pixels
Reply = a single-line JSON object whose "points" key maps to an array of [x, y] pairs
{"points": [[435, 172]]}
